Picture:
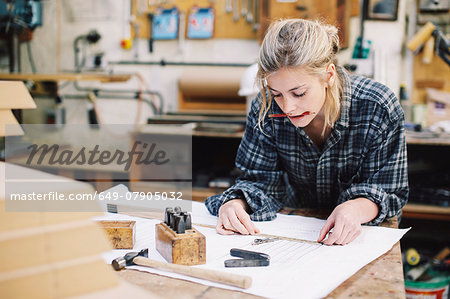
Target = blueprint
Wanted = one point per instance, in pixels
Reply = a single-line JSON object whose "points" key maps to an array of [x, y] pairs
{"points": [[296, 268]]}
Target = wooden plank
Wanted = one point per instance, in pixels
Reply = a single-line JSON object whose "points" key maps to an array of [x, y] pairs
{"points": [[68, 77]]}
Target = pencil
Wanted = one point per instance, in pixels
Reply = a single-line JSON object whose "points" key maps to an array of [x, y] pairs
{"points": [[284, 114]]}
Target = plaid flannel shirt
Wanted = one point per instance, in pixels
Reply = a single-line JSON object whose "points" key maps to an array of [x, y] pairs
{"points": [[364, 156]]}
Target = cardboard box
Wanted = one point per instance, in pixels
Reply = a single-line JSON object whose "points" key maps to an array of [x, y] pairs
{"points": [[438, 106]]}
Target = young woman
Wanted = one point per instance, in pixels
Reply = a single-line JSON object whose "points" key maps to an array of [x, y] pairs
{"points": [[340, 146]]}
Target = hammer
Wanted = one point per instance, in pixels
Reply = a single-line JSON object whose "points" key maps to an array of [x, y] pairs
{"points": [[141, 259]]}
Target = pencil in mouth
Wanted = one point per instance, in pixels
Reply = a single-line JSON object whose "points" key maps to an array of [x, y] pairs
{"points": [[288, 115]]}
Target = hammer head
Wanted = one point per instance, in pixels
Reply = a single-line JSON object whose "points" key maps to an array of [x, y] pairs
{"points": [[127, 260]]}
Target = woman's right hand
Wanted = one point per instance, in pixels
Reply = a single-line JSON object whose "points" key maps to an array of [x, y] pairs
{"points": [[234, 218]]}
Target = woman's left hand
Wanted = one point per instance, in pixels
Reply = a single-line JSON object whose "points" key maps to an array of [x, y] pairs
{"points": [[346, 221]]}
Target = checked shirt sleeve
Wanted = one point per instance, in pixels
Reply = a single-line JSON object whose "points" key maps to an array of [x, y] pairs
{"points": [[261, 182], [384, 175]]}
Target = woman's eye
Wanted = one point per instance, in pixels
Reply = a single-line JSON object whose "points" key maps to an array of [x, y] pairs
{"points": [[276, 95], [299, 95]]}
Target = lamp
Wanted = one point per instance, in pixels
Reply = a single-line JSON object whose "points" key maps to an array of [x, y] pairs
{"points": [[13, 95]]}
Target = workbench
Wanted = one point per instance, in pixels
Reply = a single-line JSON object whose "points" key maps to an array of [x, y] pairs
{"points": [[382, 277]]}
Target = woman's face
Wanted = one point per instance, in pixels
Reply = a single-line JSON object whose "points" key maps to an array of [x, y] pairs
{"points": [[297, 92]]}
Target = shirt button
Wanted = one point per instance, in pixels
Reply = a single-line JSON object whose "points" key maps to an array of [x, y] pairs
{"points": [[323, 167], [309, 144]]}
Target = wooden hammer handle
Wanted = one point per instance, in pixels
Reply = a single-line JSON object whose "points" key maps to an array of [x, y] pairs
{"points": [[235, 280]]}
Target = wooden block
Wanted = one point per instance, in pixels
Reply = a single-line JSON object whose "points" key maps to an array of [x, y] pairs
{"points": [[183, 249], [121, 234]]}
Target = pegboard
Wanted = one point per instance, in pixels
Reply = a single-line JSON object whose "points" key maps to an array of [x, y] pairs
{"points": [[224, 26]]}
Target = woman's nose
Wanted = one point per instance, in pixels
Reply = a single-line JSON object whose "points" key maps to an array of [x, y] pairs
{"points": [[289, 105]]}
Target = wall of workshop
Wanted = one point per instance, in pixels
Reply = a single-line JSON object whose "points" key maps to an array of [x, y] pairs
{"points": [[388, 52], [387, 38], [112, 25]]}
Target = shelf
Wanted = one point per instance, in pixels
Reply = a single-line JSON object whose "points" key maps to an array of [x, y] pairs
{"points": [[421, 211], [425, 138]]}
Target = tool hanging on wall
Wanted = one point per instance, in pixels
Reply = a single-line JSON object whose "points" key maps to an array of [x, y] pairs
{"points": [[201, 23], [150, 40], [249, 16], [228, 6], [90, 38], [256, 15], [235, 10], [244, 7]]}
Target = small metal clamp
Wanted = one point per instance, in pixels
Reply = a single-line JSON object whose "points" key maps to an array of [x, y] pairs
{"points": [[247, 259]]}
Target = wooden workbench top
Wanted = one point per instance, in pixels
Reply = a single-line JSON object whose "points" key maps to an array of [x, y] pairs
{"points": [[381, 278]]}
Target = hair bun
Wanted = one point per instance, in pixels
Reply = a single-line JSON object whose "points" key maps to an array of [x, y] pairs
{"points": [[333, 36]]}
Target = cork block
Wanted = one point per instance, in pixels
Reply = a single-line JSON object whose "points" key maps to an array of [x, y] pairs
{"points": [[121, 233], [188, 248]]}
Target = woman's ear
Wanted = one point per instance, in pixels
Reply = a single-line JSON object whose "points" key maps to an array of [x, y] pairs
{"points": [[331, 74]]}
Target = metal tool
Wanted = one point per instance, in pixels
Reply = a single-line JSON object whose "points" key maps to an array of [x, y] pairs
{"points": [[235, 10], [247, 259], [256, 15], [228, 6], [141, 259], [127, 260], [244, 8], [179, 221], [265, 240], [250, 8], [416, 272]]}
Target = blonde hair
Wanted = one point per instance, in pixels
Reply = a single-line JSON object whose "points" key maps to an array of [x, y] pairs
{"points": [[294, 43]]}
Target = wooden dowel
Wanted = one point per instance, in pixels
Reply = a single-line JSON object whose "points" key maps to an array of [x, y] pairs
{"points": [[235, 280]]}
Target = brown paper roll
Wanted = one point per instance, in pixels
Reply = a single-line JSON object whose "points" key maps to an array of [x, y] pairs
{"points": [[211, 81]]}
